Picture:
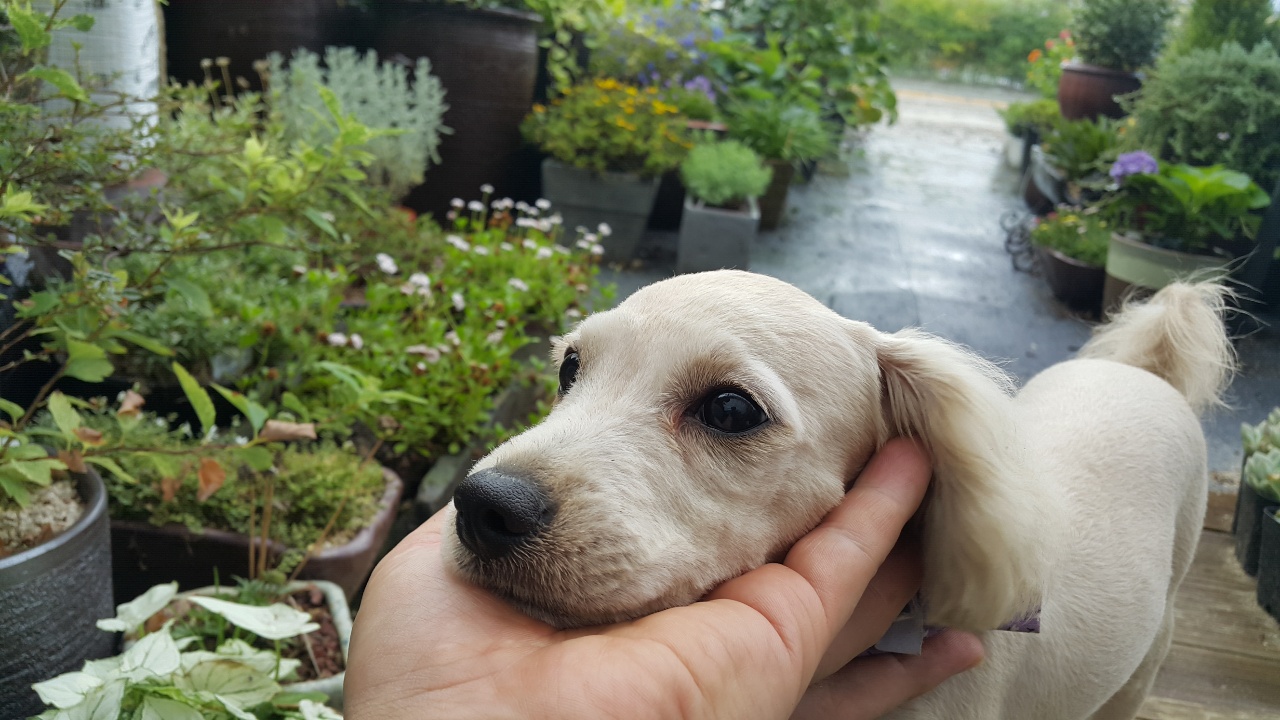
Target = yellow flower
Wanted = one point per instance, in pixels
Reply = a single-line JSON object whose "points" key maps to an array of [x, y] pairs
{"points": [[607, 84], [539, 108], [632, 91]]}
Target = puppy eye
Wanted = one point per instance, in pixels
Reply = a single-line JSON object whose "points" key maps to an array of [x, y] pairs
{"points": [[568, 371], [730, 411]]}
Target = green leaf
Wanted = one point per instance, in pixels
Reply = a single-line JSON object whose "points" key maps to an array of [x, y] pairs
{"points": [[158, 708], [87, 362], [291, 699], [256, 414], [60, 79], [321, 222], [168, 466], [82, 22], [144, 342], [30, 451], [135, 612], [64, 416], [258, 458], [15, 486], [30, 27], [11, 408], [110, 466], [38, 472], [199, 398], [197, 299], [291, 403], [273, 622]]}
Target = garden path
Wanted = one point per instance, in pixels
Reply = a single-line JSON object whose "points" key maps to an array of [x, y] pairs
{"points": [[907, 233]]}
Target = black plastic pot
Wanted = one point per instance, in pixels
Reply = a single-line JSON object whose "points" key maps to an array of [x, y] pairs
{"points": [[1247, 526], [773, 204], [1078, 285], [1269, 563], [52, 597]]}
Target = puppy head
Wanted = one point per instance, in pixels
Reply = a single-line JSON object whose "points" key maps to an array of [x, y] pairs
{"points": [[707, 423]]}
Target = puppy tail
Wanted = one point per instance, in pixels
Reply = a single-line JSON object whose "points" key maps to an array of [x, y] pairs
{"points": [[1178, 335]]}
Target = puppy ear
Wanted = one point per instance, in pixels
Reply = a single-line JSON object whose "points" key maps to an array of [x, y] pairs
{"points": [[986, 537]]}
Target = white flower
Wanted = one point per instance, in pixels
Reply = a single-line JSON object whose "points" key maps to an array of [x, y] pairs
{"points": [[543, 204], [432, 355], [299, 269], [487, 189], [508, 203], [573, 313], [457, 203], [543, 253], [522, 206], [459, 302], [529, 245], [556, 219], [524, 222], [584, 243], [494, 337], [421, 367], [328, 216], [561, 249], [605, 230], [357, 342], [1224, 136], [518, 284], [337, 339], [501, 324], [480, 250], [386, 264], [475, 206], [451, 215], [597, 250], [420, 279], [545, 225], [242, 440], [458, 242], [452, 336], [507, 247]]}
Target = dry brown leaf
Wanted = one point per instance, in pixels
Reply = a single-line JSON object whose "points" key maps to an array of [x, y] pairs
{"points": [[169, 488], [276, 430], [132, 404], [89, 436], [73, 460], [212, 476]]}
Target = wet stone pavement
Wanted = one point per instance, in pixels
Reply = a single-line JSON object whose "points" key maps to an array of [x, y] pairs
{"points": [[907, 233]]}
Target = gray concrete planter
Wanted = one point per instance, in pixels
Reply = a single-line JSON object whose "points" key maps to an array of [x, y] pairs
{"points": [[52, 597], [623, 201], [715, 239]]}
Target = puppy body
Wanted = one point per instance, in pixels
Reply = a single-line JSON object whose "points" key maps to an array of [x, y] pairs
{"points": [[1081, 496]]}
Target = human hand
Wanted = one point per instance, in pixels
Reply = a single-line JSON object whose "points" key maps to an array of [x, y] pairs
{"points": [[427, 644]]}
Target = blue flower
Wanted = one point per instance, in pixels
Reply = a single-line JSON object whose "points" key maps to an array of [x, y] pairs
{"points": [[688, 41], [1134, 163], [717, 34]]}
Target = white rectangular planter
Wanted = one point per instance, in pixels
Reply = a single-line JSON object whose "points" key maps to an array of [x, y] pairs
{"points": [[584, 198], [716, 239]]}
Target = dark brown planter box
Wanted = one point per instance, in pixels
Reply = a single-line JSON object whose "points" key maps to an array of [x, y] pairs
{"points": [[144, 555], [1087, 92], [1078, 285]]}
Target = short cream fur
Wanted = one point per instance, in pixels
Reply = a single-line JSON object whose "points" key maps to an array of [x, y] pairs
{"points": [[1082, 494]]}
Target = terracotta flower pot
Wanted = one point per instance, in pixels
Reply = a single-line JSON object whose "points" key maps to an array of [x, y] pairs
{"points": [[1087, 92], [1078, 285]]}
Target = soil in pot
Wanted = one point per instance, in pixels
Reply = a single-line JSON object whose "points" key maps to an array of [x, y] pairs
{"points": [[52, 510]]}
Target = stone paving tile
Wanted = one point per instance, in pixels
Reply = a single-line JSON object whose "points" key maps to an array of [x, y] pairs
{"points": [[911, 237]]}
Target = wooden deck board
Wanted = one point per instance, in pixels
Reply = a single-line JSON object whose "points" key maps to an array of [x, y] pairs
{"points": [[1225, 661]]}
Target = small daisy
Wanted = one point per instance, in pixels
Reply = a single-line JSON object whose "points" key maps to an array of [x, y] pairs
{"points": [[487, 189], [543, 204], [459, 302], [299, 269], [386, 264], [605, 230], [556, 219], [529, 245], [451, 215], [336, 339], [573, 313], [480, 250], [452, 336], [543, 253], [507, 247], [420, 279], [597, 250], [457, 203], [357, 342], [561, 249], [518, 284], [475, 206], [458, 242], [494, 338]]}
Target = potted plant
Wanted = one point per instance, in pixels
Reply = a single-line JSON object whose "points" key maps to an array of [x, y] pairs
{"points": [[720, 213], [1070, 163], [1114, 39], [608, 144], [1027, 122], [221, 659], [1175, 220], [1071, 245], [1258, 489], [783, 134]]}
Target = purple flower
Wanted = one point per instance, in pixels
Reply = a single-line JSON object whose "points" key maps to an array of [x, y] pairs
{"points": [[717, 34], [1134, 163], [688, 41]]}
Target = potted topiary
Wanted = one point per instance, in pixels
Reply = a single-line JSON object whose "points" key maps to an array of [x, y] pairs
{"points": [[1071, 245], [608, 143], [783, 134], [1175, 221], [1114, 39], [720, 213]]}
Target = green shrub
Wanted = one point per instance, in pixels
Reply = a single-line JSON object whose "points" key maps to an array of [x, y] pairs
{"points": [[779, 131], [1210, 23], [1121, 34], [1079, 234], [1037, 115], [1214, 107], [724, 174], [987, 36], [379, 95]]}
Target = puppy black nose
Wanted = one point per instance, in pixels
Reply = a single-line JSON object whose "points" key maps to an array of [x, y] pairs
{"points": [[498, 512]]}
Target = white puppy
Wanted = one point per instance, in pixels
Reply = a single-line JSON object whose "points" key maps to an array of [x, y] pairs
{"points": [[712, 419]]}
